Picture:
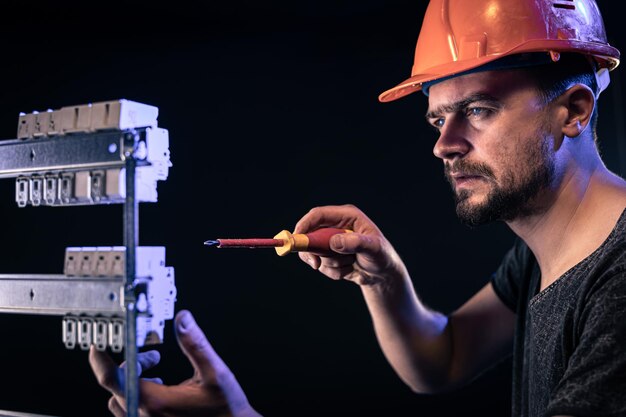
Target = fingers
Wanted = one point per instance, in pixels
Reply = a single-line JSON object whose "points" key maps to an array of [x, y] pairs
{"points": [[111, 377], [154, 380], [145, 361], [336, 273], [344, 217], [333, 267], [337, 261], [327, 216], [363, 258], [106, 371], [197, 348], [313, 261], [345, 243], [116, 408]]}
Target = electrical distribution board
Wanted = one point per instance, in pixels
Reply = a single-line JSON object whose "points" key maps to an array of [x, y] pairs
{"points": [[112, 297]]}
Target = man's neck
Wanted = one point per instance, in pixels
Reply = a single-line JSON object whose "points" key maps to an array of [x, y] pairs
{"points": [[583, 211]]}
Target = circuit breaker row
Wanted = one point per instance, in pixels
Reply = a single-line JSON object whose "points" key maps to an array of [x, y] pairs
{"points": [[85, 187], [107, 261], [110, 261], [118, 115]]}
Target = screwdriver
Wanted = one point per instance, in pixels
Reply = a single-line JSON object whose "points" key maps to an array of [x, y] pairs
{"points": [[317, 242]]}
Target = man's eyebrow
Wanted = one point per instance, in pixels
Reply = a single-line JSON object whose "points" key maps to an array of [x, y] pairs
{"points": [[461, 104]]}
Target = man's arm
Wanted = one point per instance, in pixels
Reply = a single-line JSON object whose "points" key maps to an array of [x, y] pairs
{"points": [[432, 352], [429, 351]]}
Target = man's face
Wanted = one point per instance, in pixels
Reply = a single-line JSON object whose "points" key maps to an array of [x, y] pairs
{"points": [[496, 144]]}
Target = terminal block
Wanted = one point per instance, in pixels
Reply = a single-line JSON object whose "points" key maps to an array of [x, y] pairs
{"points": [[103, 186], [155, 295]]}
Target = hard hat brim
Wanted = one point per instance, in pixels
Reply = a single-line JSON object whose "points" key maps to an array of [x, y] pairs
{"points": [[415, 82], [605, 55]]}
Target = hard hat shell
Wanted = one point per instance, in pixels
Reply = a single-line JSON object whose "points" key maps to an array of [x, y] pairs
{"points": [[460, 35]]}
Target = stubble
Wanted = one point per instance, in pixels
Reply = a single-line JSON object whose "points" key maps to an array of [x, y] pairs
{"points": [[515, 193]]}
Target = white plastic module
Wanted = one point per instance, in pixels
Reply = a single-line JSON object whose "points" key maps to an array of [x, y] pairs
{"points": [[116, 115]]}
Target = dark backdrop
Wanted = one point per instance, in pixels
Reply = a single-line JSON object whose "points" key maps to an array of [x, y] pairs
{"points": [[272, 109]]}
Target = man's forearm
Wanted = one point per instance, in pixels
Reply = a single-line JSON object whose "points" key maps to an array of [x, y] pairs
{"points": [[415, 340]]}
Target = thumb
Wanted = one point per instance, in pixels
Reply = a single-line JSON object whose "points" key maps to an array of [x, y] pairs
{"points": [[194, 344], [356, 243]]}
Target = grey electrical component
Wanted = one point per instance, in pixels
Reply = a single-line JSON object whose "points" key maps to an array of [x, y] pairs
{"points": [[111, 297]]}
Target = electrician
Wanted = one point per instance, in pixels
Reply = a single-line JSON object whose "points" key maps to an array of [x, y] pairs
{"points": [[512, 89]]}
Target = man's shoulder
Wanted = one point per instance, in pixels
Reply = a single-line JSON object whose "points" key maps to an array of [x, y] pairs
{"points": [[603, 274], [610, 258]]}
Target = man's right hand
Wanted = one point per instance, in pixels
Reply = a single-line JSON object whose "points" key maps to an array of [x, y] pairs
{"points": [[364, 257]]}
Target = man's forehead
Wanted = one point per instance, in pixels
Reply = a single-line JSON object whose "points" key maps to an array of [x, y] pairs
{"points": [[494, 84]]}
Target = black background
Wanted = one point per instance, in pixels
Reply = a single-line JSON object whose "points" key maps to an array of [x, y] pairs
{"points": [[272, 110]]}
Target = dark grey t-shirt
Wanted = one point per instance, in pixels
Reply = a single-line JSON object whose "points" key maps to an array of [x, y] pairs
{"points": [[569, 352]]}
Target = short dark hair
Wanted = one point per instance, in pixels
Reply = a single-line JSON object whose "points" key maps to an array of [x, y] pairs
{"points": [[555, 78]]}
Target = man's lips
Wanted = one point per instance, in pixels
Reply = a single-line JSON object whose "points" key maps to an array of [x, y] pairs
{"points": [[465, 179]]}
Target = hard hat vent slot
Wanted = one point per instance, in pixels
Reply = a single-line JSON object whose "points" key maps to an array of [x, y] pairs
{"points": [[565, 4]]}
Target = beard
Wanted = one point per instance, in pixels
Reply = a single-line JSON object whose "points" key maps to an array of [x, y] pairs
{"points": [[512, 197]]}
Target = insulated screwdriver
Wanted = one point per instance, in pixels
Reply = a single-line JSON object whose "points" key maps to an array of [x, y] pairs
{"points": [[317, 242]]}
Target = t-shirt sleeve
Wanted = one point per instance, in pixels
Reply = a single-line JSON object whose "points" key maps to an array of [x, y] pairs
{"points": [[594, 383], [508, 278]]}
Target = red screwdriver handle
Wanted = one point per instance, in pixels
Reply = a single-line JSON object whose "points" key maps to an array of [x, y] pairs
{"points": [[317, 241]]}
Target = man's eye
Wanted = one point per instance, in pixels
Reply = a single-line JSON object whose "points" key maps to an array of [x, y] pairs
{"points": [[438, 123], [476, 111]]}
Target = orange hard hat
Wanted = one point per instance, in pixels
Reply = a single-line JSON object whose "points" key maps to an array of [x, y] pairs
{"points": [[462, 35]]}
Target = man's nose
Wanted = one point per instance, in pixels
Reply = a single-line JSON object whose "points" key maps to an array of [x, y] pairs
{"points": [[452, 142]]}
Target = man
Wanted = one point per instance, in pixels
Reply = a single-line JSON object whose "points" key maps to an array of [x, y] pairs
{"points": [[512, 88]]}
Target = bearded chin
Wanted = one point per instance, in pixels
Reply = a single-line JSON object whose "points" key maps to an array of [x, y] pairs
{"points": [[506, 203], [497, 206]]}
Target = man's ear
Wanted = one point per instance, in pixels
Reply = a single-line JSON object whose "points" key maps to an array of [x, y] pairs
{"points": [[579, 102]]}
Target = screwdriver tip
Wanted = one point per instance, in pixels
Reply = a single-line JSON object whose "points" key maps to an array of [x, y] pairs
{"points": [[212, 242]]}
